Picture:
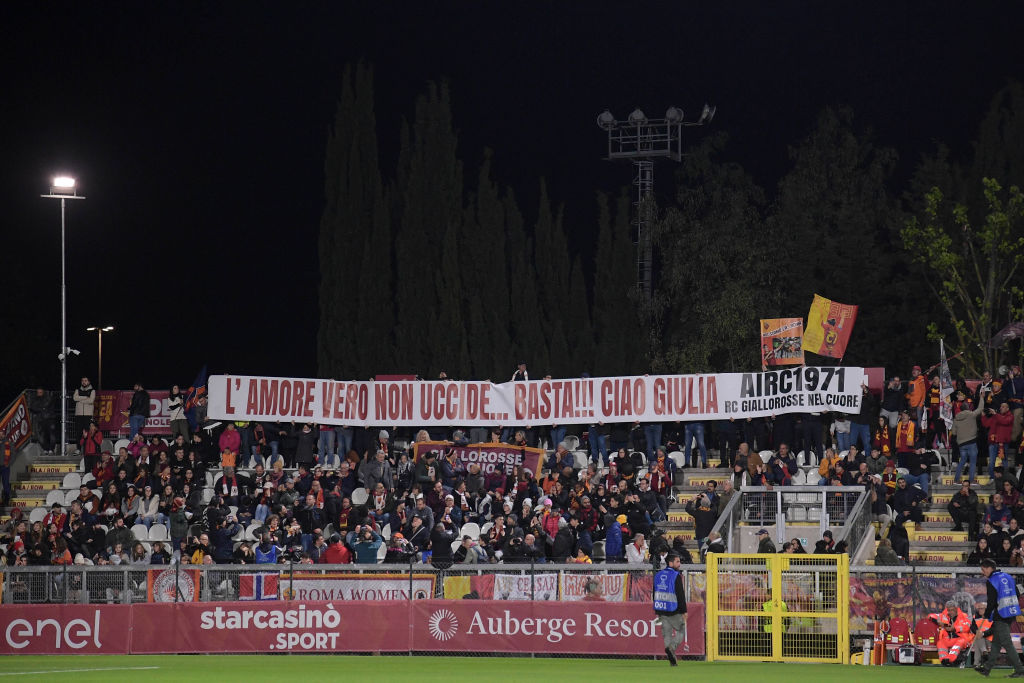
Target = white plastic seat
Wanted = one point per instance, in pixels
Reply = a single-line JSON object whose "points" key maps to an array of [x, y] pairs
{"points": [[72, 480], [159, 532], [486, 528], [597, 553], [37, 515], [799, 479], [455, 545], [81, 465], [797, 514], [70, 496], [252, 530], [239, 535], [807, 498], [382, 552], [140, 532], [269, 461], [678, 458], [471, 529], [206, 496], [87, 478], [814, 515], [579, 460], [360, 496], [766, 456], [209, 479], [843, 454], [571, 440], [121, 443], [801, 458], [55, 496], [812, 477], [902, 470], [385, 533]]}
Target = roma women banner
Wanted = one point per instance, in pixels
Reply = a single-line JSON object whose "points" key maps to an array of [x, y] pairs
{"points": [[829, 324], [649, 398], [782, 341]]}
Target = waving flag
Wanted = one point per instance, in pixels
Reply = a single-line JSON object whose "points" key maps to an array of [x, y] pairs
{"points": [[192, 396], [945, 388], [261, 586], [829, 325]]}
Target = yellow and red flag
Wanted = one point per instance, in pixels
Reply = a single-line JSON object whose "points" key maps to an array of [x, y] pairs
{"points": [[781, 341], [829, 325]]}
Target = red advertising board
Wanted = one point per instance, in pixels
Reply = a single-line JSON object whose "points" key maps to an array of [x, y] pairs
{"points": [[112, 412], [423, 625], [65, 629]]}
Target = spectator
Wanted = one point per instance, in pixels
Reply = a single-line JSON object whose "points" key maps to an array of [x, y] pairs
{"points": [[566, 540], [885, 555], [91, 445], [917, 393], [85, 402], [879, 508], [441, 546], [714, 545], [963, 507], [893, 401], [613, 545], [138, 411], [179, 422], [764, 542], [230, 444], [149, 509], [159, 554], [1000, 431], [906, 503], [377, 470], [906, 438], [42, 412], [997, 514], [636, 552], [965, 431], [704, 515], [694, 430]]}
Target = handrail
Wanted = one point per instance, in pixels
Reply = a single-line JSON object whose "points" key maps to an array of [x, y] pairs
{"points": [[724, 515]]}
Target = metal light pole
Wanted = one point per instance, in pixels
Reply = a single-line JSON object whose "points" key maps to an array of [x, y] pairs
{"points": [[642, 141], [99, 341], [63, 188]]}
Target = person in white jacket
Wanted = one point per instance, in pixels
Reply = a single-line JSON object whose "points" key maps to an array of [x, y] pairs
{"points": [[149, 509], [85, 402], [636, 552]]}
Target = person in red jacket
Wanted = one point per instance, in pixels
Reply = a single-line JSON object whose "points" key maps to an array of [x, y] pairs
{"points": [[336, 552], [1000, 433]]}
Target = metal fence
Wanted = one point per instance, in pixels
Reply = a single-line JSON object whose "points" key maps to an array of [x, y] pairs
{"points": [[208, 583]]}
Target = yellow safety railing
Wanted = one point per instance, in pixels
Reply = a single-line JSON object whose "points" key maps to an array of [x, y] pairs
{"points": [[778, 608]]}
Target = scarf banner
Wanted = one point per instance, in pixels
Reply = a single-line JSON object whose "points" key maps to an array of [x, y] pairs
{"points": [[781, 341], [592, 400], [829, 325], [490, 457]]}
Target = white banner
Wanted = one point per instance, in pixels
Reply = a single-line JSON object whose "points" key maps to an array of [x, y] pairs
{"points": [[594, 587], [357, 587], [517, 587], [648, 398]]}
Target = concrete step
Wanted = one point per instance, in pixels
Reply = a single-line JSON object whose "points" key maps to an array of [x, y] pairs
{"points": [[944, 498], [62, 467], [936, 536], [33, 485]]}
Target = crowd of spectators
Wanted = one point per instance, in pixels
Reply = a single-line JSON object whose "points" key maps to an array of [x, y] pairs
{"points": [[307, 508]]}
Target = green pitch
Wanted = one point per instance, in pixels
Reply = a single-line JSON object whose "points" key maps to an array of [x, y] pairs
{"points": [[309, 668]]}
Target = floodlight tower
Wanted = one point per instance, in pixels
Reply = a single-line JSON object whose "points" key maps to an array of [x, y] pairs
{"points": [[643, 141]]}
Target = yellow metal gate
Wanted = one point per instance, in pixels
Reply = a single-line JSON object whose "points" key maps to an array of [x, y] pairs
{"points": [[778, 608]]}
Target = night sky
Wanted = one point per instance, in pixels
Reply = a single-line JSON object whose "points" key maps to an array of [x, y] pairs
{"points": [[197, 131]]}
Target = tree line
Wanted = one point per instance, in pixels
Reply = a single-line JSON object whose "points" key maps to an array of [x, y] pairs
{"points": [[431, 266]]}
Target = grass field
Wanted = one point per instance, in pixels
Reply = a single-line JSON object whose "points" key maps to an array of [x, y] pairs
{"points": [[308, 668]]}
